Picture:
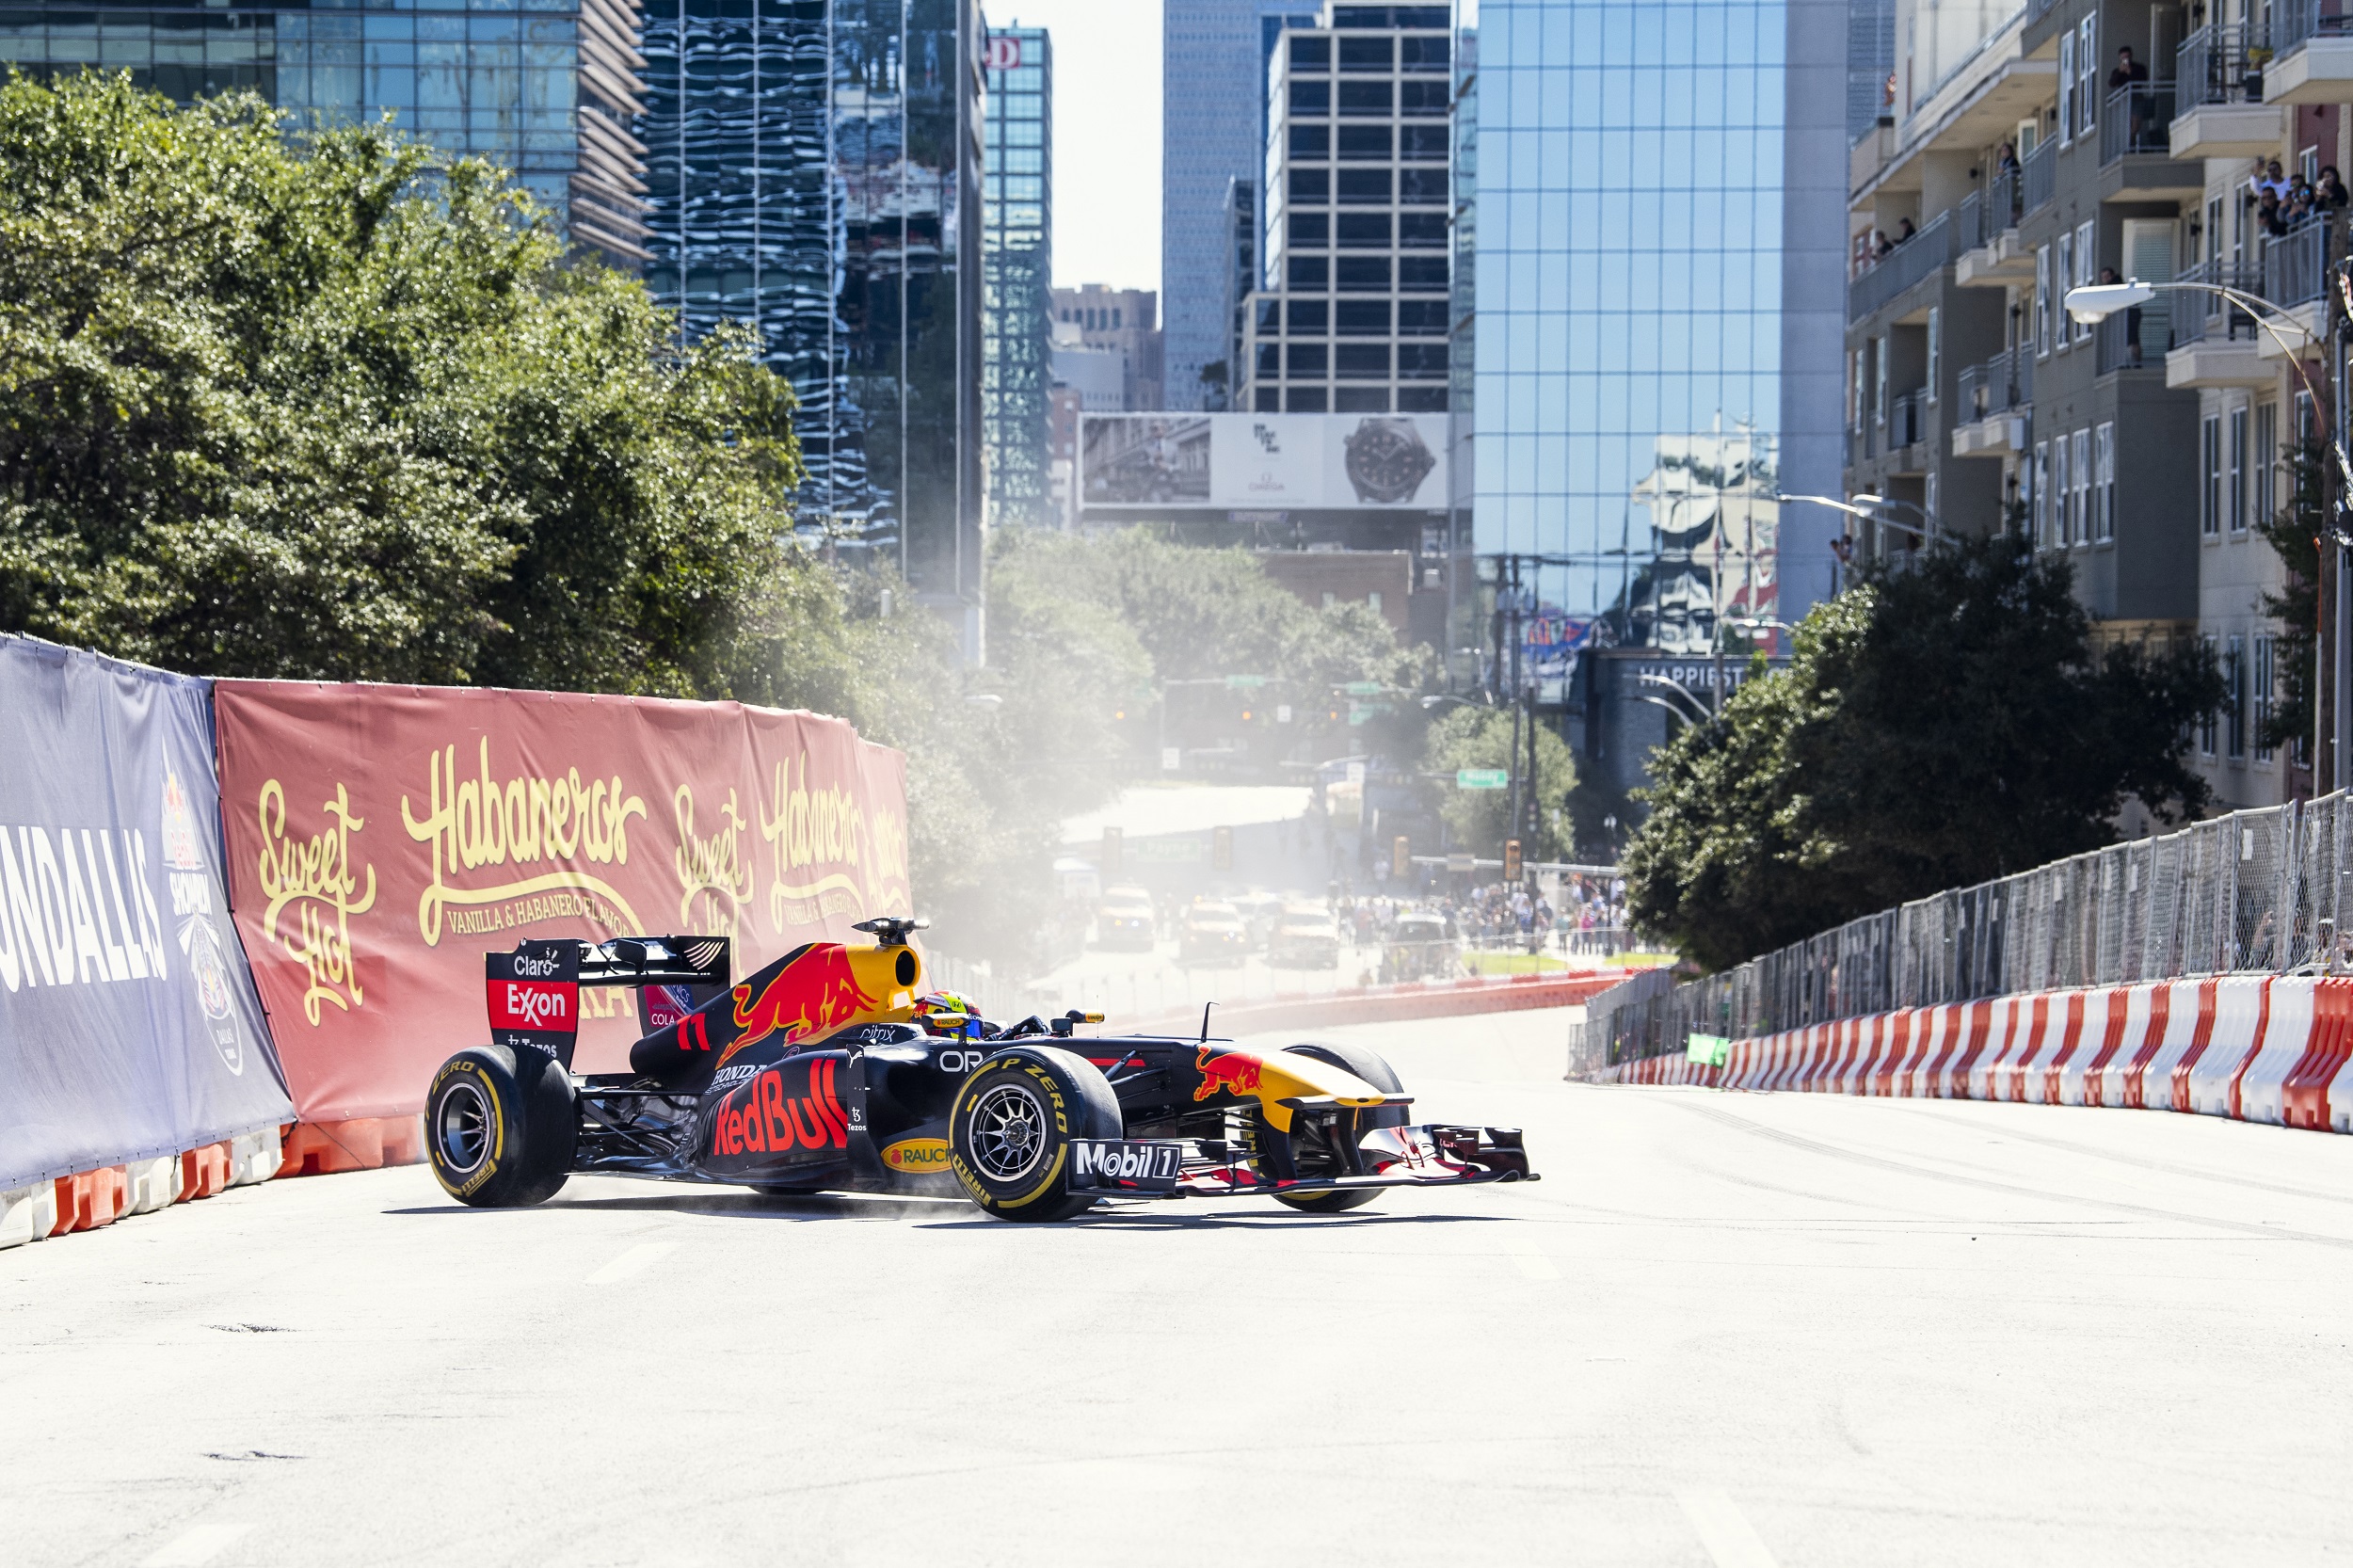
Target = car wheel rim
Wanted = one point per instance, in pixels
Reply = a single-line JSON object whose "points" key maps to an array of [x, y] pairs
{"points": [[1008, 1132], [463, 1128]]}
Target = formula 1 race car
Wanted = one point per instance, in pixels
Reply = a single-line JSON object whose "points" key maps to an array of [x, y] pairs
{"points": [[829, 1070]]}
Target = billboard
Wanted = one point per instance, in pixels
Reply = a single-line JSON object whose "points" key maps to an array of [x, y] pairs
{"points": [[383, 839], [1288, 462]]}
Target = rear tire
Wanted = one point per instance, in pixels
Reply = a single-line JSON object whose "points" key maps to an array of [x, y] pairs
{"points": [[500, 1126], [1009, 1136], [1292, 1153]]}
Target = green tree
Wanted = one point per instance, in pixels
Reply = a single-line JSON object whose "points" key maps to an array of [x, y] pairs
{"points": [[1937, 725], [1479, 820], [2293, 534], [334, 406]]}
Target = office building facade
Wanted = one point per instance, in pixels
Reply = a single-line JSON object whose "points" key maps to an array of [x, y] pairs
{"points": [[1017, 272], [550, 91], [1352, 315], [1120, 323], [814, 170], [1656, 339], [1213, 64]]}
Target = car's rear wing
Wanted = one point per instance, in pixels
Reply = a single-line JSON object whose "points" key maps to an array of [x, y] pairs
{"points": [[533, 992]]}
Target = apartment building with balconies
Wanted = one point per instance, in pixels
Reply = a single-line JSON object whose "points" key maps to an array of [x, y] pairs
{"points": [[2254, 84], [2027, 155]]}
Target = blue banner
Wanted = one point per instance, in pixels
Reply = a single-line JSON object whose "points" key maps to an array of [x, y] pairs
{"points": [[129, 1025]]}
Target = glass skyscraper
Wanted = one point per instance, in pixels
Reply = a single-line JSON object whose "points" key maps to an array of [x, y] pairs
{"points": [[813, 170], [1213, 73], [1636, 314], [545, 87], [1017, 268]]}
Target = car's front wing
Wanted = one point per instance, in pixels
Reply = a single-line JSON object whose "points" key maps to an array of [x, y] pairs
{"points": [[1429, 1156]]}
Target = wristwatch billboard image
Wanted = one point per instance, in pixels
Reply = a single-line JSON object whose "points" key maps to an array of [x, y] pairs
{"points": [[1387, 461]]}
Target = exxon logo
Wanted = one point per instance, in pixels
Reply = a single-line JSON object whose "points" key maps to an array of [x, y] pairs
{"points": [[539, 1007]]}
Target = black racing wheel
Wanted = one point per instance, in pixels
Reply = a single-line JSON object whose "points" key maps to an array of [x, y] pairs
{"points": [[1307, 1149], [499, 1125], [1009, 1136]]}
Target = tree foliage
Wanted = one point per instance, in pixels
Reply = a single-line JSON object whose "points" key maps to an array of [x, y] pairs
{"points": [[2293, 534], [1480, 819], [334, 406], [1937, 725]]}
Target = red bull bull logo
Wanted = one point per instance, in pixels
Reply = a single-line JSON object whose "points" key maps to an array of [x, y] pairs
{"points": [[813, 995], [764, 1116], [1231, 1071]]}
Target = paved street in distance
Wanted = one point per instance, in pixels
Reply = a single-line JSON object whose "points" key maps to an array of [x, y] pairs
{"points": [[1727, 1329]]}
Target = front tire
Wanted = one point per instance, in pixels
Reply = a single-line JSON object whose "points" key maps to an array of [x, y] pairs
{"points": [[1305, 1152], [1009, 1136], [500, 1126]]}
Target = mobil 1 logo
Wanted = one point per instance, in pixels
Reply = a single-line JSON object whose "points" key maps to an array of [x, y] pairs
{"points": [[1124, 1165]]}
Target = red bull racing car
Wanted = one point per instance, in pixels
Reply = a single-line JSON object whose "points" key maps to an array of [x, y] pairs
{"points": [[830, 1070]]}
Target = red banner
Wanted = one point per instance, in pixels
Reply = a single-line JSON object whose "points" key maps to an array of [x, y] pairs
{"points": [[383, 839]]}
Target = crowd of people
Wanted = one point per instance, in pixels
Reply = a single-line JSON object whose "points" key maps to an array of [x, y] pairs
{"points": [[1590, 918], [2285, 201]]}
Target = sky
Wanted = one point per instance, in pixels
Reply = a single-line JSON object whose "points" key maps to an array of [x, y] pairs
{"points": [[1107, 136]]}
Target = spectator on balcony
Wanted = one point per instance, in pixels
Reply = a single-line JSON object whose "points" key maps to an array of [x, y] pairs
{"points": [[2269, 216], [1880, 249], [2141, 106], [1904, 232], [2006, 162], [2132, 320], [2268, 178], [2331, 194]]}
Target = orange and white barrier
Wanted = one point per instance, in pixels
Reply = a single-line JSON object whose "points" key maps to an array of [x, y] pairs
{"points": [[2275, 1049]]}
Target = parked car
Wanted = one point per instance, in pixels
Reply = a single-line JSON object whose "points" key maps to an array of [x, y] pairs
{"points": [[1261, 912], [1124, 921], [1212, 933], [1306, 938], [1420, 948]]}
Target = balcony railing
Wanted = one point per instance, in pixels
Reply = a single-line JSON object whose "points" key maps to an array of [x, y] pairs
{"points": [[2202, 317], [2001, 384], [2294, 20], [2296, 264], [1907, 418], [2220, 64], [1909, 261], [2041, 177], [2001, 206], [2136, 339], [2139, 119]]}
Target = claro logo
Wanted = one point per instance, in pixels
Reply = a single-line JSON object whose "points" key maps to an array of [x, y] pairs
{"points": [[536, 968]]}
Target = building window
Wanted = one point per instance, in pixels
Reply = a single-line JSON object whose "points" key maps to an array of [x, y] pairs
{"points": [[2267, 489], [2235, 497], [1365, 143], [2210, 470], [1311, 98], [2060, 496], [1933, 335], [1307, 400], [1362, 188], [2079, 505], [1422, 361], [1360, 400], [2234, 698], [1309, 231], [2206, 720], [1307, 362], [1311, 54], [1362, 230], [2104, 482], [2085, 271], [2087, 74], [2049, 273], [1421, 231], [1421, 144], [1307, 317], [1860, 359], [1267, 400], [1366, 100], [1312, 141], [2267, 683], [1422, 274], [1362, 362], [1270, 360], [1362, 318], [1879, 380], [1309, 273], [1363, 275], [2041, 500], [1313, 186], [1368, 53]]}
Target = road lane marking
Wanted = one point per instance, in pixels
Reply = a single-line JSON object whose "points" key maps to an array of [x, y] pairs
{"points": [[1724, 1531], [195, 1546], [636, 1260], [1531, 1259]]}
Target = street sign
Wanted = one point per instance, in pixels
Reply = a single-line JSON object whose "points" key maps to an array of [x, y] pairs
{"points": [[1172, 758], [1361, 713], [1458, 863], [1282, 712], [1708, 1051], [1245, 682], [1364, 688], [1482, 778]]}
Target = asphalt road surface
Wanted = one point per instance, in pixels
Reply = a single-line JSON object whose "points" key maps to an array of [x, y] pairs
{"points": [[1725, 1329]]}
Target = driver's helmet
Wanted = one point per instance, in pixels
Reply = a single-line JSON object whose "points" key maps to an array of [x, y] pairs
{"points": [[943, 1010]]}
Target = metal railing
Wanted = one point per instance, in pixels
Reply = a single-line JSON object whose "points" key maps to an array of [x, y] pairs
{"points": [[2199, 316], [2002, 383], [2140, 119], [2038, 178], [2295, 21], [1907, 418], [1915, 259], [2136, 339], [2001, 206], [2220, 64], [2296, 264], [2259, 891]]}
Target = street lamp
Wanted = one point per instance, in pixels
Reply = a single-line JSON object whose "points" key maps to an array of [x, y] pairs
{"points": [[2095, 302], [1873, 508], [1698, 708]]}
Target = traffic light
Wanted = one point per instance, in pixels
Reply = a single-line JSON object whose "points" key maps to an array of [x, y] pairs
{"points": [[1400, 858], [1221, 849], [1511, 859]]}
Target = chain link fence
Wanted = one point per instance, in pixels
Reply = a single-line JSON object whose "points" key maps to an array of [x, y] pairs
{"points": [[2262, 891]]}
